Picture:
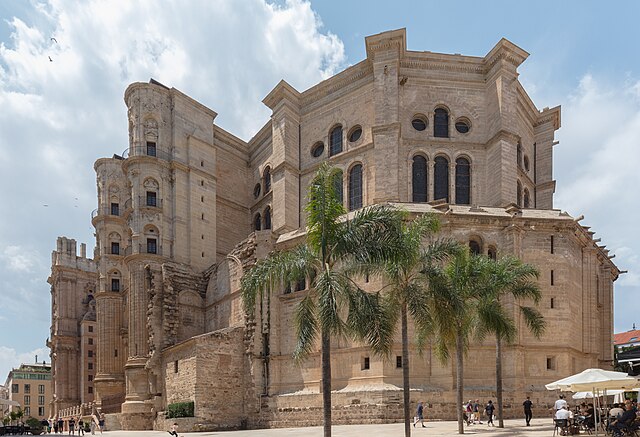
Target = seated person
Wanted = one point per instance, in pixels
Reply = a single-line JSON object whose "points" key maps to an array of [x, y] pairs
{"points": [[625, 419], [562, 417], [589, 417], [616, 411]]}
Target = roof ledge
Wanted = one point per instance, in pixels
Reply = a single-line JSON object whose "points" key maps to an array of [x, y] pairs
{"points": [[282, 91], [506, 50], [390, 40]]}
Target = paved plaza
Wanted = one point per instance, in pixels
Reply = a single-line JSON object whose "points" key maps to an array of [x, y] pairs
{"points": [[538, 428]]}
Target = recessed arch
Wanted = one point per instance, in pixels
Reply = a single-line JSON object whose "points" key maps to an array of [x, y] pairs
{"points": [[257, 222], [441, 122], [267, 217], [441, 178], [356, 178], [463, 181], [266, 180], [419, 178]]}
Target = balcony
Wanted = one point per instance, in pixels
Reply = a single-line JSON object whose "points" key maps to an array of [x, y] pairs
{"points": [[143, 249], [105, 211], [132, 152], [149, 202]]}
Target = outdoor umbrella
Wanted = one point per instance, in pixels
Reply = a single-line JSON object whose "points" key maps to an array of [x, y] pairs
{"points": [[595, 381], [589, 395]]}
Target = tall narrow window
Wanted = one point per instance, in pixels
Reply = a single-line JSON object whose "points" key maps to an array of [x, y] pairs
{"points": [[463, 181], [552, 248], [526, 198], [267, 217], [267, 180], [474, 247], [115, 208], [519, 194], [151, 148], [441, 179], [337, 186], [152, 199], [355, 187], [152, 245], [552, 279], [519, 154], [365, 363], [115, 284], [335, 141], [441, 123], [257, 222], [419, 178]]}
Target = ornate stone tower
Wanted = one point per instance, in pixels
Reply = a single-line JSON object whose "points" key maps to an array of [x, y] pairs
{"points": [[73, 333]]}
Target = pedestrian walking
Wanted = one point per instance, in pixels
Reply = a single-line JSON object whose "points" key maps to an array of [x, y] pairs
{"points": [[419, 415], [489, 409], [174, 430], [528, 414]]}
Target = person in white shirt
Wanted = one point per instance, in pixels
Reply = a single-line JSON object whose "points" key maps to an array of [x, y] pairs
{"points": [[563, 413], [560, 403]]}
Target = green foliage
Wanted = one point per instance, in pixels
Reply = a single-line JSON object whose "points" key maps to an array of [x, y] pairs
{"points": [[180, 409], [34, 424]]}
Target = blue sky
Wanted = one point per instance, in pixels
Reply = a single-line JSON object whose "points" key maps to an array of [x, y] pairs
{"points": [[59, 116]]}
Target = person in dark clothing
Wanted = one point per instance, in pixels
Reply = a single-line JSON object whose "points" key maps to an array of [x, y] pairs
{"points": [[489, 409], [528, 414], [625, 419], [419, 415], [60, 426]]}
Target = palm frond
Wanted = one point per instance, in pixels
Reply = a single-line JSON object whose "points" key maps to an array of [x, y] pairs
{"points": [[534, 320], [371, 320], [306, 324]]}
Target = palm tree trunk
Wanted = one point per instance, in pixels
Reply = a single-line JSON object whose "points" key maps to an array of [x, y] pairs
{"points": [[459, 381], [326, 382], [499, 380], [405, 373]]}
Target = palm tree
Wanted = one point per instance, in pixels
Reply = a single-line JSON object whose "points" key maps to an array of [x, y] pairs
{"points": [[454, 291], [508, 276], [333, 243], [407, 290]]}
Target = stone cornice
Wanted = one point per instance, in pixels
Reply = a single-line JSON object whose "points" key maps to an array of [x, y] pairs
{"points": [[549, 116], [507, 51], [282, 91], [338, 82], [503, 135], [385, 128], [441, 62], [390, 40]]}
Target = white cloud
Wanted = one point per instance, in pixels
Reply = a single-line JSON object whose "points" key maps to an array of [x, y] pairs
{"points": [[17, 259], [596, 166], [59, 116]]}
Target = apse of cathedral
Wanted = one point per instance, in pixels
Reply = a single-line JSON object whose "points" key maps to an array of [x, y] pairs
{"points": [[155, 316]]}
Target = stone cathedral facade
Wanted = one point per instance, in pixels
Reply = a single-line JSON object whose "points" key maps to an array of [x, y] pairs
{"points": [[189, 207]]}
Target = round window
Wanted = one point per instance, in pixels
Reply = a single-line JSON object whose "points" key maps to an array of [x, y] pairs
{"points": [[355, 134], [256, 191], [419, 124], [462, 126], [317, 149]]}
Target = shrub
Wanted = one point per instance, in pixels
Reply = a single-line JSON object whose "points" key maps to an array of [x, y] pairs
{"points": [[34, 424], [180, 409]]}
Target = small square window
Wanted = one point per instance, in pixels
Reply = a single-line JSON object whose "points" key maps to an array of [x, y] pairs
{"points": [[91, 341], [15, 388], [365, 363], [90, 354], [115, 248], [90, 390], [152, 198], [115, 208], [399, 362], [152, 246], [90, 377], [115, 284], [151, 148], [90, 328], [551, 363], [27, 388], [40, 411], [90, 366]]}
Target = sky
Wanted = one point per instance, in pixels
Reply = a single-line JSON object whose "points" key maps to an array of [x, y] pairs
{"points": [[64, 66]]}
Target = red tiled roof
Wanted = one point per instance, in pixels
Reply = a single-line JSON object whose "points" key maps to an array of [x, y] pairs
{"points": [[625, 337]]}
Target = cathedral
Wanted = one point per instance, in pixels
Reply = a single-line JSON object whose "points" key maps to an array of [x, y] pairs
{"points": [[155, 317]]}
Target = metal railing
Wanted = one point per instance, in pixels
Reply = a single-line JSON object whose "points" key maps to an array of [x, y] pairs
{"points": [[142, 249], [145, 202], [131, 152], [106, 210]]}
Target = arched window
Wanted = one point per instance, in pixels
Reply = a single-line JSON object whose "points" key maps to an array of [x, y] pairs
{"points": [[526, 198], [266, 178], [492, 253], [335, 141], [419, 178], [267, 217], [519, 195], [115, 281], [474, 247], [355, 187], [441, 123], [441, 179], [152, 236], [257, 222], [337, 186], [519, 154], [463, 181]]}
